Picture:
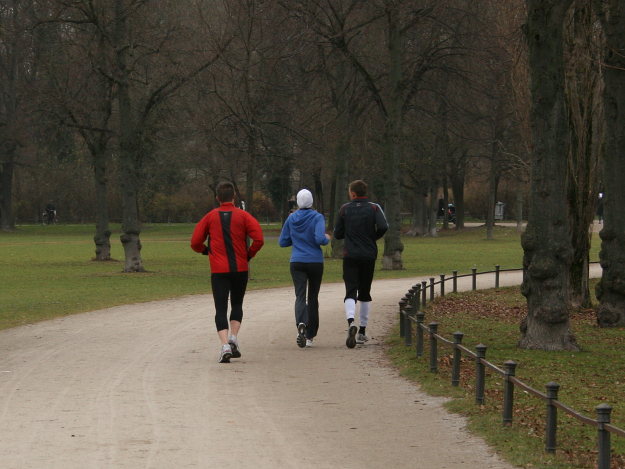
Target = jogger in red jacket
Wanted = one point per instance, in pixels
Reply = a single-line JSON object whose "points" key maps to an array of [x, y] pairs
{"points": [[226, 230]]}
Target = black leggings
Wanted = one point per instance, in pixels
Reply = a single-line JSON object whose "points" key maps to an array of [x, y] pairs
{"points": [[233, 285], [358, 276]]}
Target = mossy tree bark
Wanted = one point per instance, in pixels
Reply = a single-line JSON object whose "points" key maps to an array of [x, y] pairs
{"points": [[611, 288], [546, 242]]}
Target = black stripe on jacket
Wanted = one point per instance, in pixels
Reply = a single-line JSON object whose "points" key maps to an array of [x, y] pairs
{"points": [[226, 218]]}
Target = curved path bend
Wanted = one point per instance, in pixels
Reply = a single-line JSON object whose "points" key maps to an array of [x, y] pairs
{"points": [[139, 386]]}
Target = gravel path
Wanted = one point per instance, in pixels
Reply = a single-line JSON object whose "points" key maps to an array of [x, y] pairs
{"points": [[139, 386]]}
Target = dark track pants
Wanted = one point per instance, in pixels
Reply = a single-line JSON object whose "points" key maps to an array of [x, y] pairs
{"points": [[233, 285], [307, 276]]}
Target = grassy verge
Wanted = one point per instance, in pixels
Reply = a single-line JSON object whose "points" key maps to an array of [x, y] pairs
{"points": [[587, 378], [47, 271]]}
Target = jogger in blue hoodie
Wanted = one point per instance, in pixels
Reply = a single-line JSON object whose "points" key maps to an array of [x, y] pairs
{"points": [[304, 229]]}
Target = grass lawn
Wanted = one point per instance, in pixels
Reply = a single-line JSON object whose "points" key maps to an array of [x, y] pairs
{"points": [[47, 271], [587, 378]]}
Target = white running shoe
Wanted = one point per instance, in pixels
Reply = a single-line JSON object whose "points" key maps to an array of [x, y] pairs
{"points": [[309, 343], [225, 354], [234, 346], [361, 338]]}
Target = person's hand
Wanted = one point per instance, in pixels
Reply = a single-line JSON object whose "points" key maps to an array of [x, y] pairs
{"points": [[328, 236]]}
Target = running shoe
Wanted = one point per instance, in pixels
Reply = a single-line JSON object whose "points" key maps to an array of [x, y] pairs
{"points": [[234, 346], [361, 338], [351, 337], [225, 354], [309, 343], [301, 335]]}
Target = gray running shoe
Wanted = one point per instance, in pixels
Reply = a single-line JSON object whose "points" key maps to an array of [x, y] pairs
{"points": [[351, 337], [225, 354], [234, 346], [361, 338], [301, 335]]}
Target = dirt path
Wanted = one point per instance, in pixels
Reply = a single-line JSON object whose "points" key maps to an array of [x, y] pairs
{"points": [[139, 386]]}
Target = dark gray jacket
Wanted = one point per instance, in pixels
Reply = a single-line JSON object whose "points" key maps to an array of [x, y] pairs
{"points": [[361, 223]]}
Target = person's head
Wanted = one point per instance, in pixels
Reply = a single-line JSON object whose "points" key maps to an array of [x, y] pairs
{"points": [[304, 199], [225, 192], [357, 188]]}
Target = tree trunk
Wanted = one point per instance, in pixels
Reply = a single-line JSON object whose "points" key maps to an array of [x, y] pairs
{"points": [[128, 151], [393, 247], [102, 236], [6, 190], [432, 210], [492, 196], [611, 288], [519, 210], [546, 241], [340, 182], [251, 170], [582, 86], [457, 175], [419, 213]]}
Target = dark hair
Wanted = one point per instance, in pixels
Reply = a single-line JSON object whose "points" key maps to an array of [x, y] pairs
{"points": [[225, 192], [358, 187]]}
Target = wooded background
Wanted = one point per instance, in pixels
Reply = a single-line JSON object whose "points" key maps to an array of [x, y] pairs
{"points": [[133, 111]]}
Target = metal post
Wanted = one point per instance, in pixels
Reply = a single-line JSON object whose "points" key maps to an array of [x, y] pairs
{"points": [[424, 292], [508, 392], [442, 284], [552, 417], [603, 436], [496, 276], [416, 297], [402, 305], [455, 368], [433, 348], [480, 374], [474, 271], [408, 326], [455, 282], [420, 318], [431, 288]]}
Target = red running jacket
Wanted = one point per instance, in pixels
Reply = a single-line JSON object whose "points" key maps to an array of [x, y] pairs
{"points": [[227, 229]]}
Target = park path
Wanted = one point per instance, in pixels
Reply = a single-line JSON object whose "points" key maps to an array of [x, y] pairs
{"points": [[139, 386]]}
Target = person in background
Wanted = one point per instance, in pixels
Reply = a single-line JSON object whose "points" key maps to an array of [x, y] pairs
{"points": [[226, 229], [304, 230], [361, 223]]}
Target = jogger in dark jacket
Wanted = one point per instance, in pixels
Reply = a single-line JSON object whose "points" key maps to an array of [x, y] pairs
{"points": [[361, 223], [304, 229]]}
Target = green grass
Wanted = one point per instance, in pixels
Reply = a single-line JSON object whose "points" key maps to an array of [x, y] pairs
{"points": [[586, 378], [47, 271]]}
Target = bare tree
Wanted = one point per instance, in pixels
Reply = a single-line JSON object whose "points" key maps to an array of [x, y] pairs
{"points": [[17, 71], [584, 105], [610, 290], [546, 242], [81, 95]]}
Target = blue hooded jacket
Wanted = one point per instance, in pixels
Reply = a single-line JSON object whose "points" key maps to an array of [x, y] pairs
{"points": [[305, 231]]}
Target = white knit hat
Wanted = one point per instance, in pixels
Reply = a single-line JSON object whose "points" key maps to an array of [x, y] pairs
{"points": [[304, 199]]}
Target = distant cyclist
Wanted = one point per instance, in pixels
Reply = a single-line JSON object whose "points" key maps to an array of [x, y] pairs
{"points": [[49, 215]]}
